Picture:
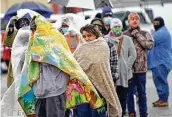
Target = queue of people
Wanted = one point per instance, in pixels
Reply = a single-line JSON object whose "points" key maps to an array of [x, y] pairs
{"points": [[93, 71]]}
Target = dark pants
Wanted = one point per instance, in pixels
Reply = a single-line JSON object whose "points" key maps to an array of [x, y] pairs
{"points": [[51, 107], [160, 74], [122, 95], [85, 110], [138, 81], [69, 113]]}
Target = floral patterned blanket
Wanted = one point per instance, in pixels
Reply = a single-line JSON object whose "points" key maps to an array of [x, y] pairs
{"points": [[48, 46]]}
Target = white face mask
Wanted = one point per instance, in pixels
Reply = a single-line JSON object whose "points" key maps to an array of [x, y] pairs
{"points": [[64, 30], [107, 20], [126, 23]]}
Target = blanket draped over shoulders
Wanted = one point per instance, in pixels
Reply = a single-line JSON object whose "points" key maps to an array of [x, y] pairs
{"points": [[47, 45], [93, 57]]}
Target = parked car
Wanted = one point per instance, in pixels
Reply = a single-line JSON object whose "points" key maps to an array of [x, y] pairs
{"points": [[3, 49], [122, 14]]}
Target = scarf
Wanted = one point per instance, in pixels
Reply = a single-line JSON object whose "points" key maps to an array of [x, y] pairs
{"points": [[120, 38]]}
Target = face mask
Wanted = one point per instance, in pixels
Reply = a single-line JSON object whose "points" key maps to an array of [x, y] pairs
{"points": [[64, 30], [126, 23], [156, 27], [107, 20], [158, 23], [117, 31]]}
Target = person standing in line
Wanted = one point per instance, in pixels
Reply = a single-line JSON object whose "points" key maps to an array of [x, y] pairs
{"points": [[143, 41], [71, 35], [99, 24], [160, 61], [9, 37], [53, 77], [73, 39], [126, 56], [107, 17], [19, 50], [93, 57], [113, 52], [50, 88], [15, 24]]}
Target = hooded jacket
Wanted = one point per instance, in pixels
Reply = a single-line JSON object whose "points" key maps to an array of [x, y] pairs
{"points": [[162, 51]]}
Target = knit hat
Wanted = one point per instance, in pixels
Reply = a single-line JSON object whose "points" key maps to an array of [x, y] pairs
{"points": [[115, 22], [107, 11], [133, 14], [98, 15], [97, 21]]}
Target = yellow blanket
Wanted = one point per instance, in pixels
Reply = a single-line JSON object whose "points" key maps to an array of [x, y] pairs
{"points": [[48, 46]]}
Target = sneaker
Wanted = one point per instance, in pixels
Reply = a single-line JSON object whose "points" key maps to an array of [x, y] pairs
{"points": [[32, 115], [132, 115], [161, 104], [155, 102]]}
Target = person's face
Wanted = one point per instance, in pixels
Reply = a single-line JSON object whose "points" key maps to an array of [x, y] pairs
{"points": [[64, 25], [22, 22], [107, 19], [64, 28], [100, 28], [117, 30], [134, 21], [88, 36], [156, 23]]}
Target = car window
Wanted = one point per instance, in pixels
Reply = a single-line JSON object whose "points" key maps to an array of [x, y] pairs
{"points": [[142, 18], [121, 16]]}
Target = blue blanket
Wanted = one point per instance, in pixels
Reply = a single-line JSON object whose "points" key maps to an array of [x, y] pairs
{"points": [[161, 53]]}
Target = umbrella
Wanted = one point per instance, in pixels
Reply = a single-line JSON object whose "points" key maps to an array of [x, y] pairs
{"points": [[87, 4], [35, 6]]}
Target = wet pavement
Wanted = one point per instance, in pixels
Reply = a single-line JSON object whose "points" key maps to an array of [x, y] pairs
{"points": [[151, 94]]}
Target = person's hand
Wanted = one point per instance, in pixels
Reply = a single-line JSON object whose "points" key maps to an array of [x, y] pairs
{"points": [[134, 32], [12, 21]]}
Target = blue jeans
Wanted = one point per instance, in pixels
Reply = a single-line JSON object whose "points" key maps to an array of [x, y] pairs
{"points": [[85, 110], [160, 74], [138, 81]]}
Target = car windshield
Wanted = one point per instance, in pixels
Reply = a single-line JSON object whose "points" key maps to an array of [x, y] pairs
{"points": [[122, 15]]}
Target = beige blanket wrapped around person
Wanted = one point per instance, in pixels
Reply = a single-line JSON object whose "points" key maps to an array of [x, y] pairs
{"points": [[93, 57]]}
